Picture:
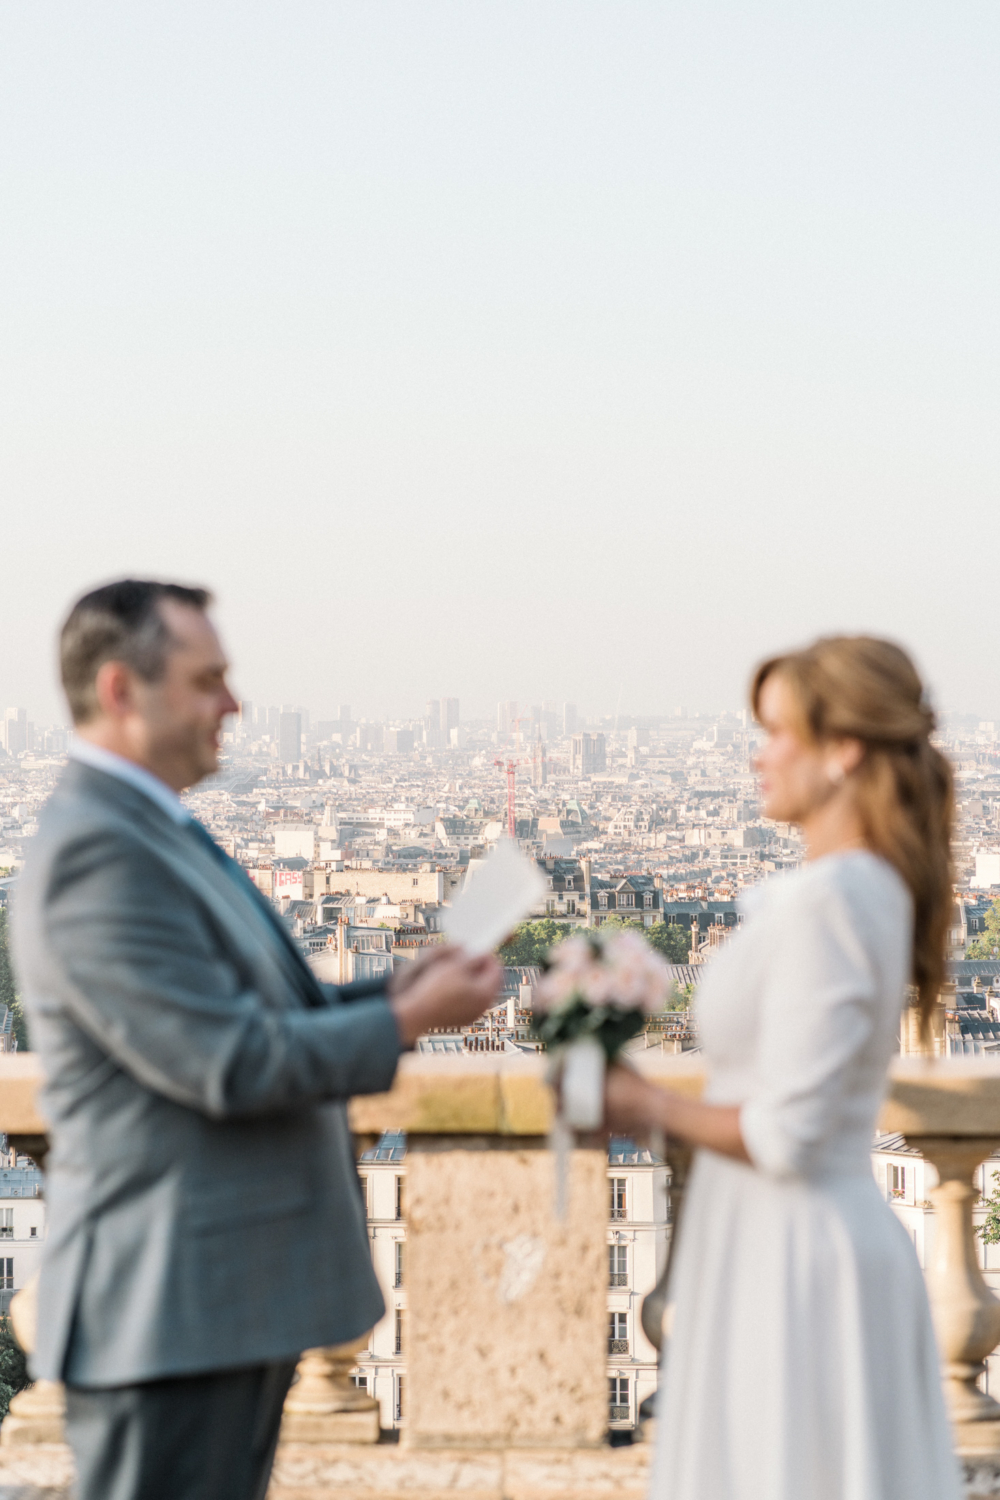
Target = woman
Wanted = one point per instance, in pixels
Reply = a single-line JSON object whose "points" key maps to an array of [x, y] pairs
{"points": [[801, 1361]]}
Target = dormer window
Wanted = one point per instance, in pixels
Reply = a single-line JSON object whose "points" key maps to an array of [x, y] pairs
{"points": [[602, 900], [647, 900]]}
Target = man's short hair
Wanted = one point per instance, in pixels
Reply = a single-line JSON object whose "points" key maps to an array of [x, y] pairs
{"points": [[119, 622]]}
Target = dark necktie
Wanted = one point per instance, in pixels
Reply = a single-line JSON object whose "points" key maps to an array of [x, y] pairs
{"points": [[238, 875]]}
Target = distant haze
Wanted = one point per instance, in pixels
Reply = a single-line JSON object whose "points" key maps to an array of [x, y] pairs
{"points": [[532, 349]]}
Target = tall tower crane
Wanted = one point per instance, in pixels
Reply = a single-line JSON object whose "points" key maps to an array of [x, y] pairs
{"points": [[510, 766]]}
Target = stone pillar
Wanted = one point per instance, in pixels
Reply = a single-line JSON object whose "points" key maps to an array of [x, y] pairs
{"points": [[966, 1314], [324, 1405], [507, 1306]]}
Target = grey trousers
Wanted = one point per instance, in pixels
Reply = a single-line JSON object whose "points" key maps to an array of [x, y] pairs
{"points": [[196, 1437]]}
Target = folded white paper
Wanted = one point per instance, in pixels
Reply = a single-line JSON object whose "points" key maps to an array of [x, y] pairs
{"points": [[497, 895]]}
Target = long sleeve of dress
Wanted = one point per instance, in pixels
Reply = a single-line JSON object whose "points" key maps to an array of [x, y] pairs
{"points": [[818, 1013]]}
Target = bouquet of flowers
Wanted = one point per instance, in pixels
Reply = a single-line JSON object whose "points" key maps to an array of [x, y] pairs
{"points": [[594, 996]]}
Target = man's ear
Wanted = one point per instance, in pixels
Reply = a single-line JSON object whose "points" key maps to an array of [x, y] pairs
{"points": [[114, 688]]}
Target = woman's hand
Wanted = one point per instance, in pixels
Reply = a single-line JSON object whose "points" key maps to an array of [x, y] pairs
{"points": [[631, 1103], [447, 989]]}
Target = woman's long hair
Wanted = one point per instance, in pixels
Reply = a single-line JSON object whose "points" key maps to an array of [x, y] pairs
{"points": [[858, 687]]}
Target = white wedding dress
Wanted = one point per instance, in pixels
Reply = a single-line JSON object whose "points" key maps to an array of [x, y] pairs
{"points": [[801, 1363]]}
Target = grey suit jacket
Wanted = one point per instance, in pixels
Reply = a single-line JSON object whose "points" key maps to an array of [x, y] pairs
{"points": [[203, 1202]]}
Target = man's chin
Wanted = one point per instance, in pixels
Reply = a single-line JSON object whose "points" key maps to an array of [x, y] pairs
{"points": [[208, 764]]}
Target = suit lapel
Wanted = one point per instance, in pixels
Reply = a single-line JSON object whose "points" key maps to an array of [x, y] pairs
{"points": [[281, 975], [237, 910]]}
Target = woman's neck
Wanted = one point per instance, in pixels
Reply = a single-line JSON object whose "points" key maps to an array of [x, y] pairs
{"points": [[833, 828]]}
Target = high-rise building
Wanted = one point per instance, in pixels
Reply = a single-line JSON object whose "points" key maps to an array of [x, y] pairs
{"points": [[399, 741], [15, 731], [432, 715], [289, 736], [539, 765], [245, 716], [449, 713], [344, 715], [507, 716], [569, 718], [369, 736]]}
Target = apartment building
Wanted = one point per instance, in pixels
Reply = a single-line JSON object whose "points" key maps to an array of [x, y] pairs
{"points": [[22, 1227]]}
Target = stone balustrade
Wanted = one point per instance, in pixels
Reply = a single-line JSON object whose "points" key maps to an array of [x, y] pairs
{"points": [[507, 1303]]}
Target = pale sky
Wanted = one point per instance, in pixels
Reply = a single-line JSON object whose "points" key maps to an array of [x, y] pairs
{"points": [[505, 348]]}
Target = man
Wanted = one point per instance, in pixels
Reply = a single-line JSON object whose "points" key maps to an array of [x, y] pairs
{"points": [[205, 1223]]}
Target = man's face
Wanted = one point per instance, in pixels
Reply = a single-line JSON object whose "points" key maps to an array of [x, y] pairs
{"points": [[179, 718]]}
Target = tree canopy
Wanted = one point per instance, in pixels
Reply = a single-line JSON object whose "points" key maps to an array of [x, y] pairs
{"points": [[531, 941], [13, 1369], [8, 988], [989, 1230], [987, 944]]}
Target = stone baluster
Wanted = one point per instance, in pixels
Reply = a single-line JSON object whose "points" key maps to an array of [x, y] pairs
{"points": [[966, 1314], [37, 1414], [324, 1405], [655, 1315]]}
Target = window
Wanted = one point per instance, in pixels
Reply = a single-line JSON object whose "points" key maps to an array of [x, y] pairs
{"points": [[33, 1232], [647, 900], [619, 1409], [398, 1410], [361, 1381], [617, 1205], [416, 880], [626, 898], [896, 1176], [617, 1265], [365, 1194], [399, 1262], [399, 1198], [602, 900], [398, 1345], [617, 1333], [6, 1274], [6, 1223]]}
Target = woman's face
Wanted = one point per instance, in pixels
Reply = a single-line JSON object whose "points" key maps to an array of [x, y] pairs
{"points": [[794, 772]]}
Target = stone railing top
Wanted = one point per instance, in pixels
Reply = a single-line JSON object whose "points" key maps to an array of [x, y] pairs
{"points": [[494, 1093]]}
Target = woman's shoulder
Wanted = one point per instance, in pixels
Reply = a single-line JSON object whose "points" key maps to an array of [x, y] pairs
{"points": [[855, 881]]}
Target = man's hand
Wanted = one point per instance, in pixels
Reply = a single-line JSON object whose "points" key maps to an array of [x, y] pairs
{"points": [[411, 971], [448, 989]]}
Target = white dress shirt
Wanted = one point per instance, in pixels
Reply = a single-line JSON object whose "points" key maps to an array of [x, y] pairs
{"points": [[126, 770]]}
